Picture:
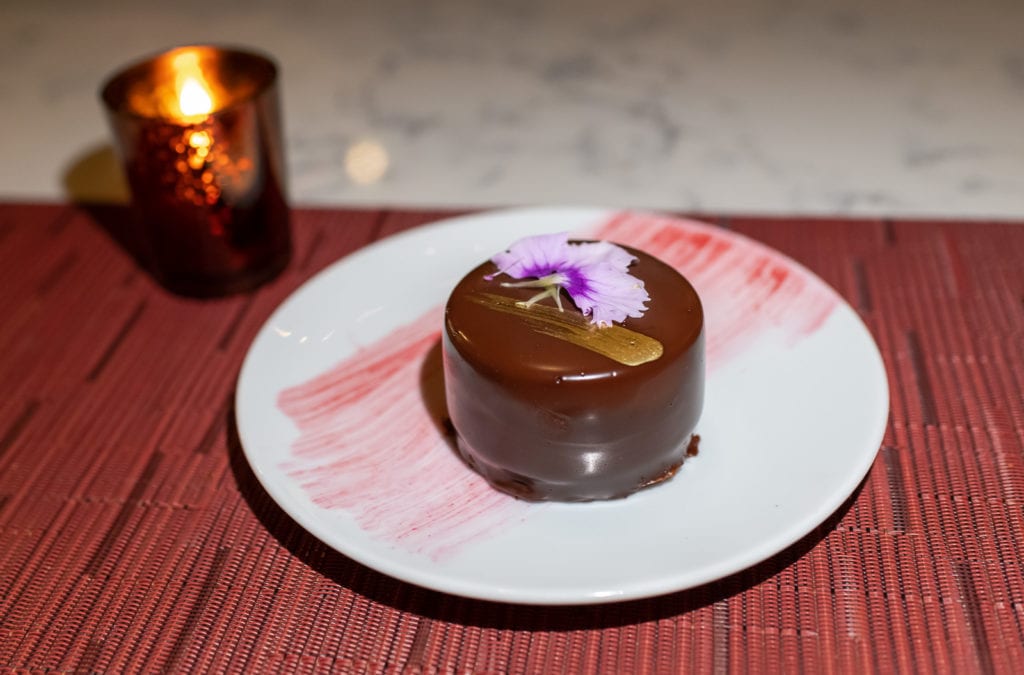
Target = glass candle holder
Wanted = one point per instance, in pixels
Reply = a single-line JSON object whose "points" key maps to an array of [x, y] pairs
{"points": [[199, 133]]}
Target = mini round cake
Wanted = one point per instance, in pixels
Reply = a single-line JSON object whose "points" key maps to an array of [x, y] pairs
{"points": [[574, 371]]}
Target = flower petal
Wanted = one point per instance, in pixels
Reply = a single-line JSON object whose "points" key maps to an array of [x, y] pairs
{"points": [[535, 256], [594, 274]]}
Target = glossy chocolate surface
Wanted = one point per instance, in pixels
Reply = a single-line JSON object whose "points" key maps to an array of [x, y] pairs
{"points": [[546, 419]]}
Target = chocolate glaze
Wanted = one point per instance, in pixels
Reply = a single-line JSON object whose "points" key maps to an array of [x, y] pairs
{"points": [[545, 419]]}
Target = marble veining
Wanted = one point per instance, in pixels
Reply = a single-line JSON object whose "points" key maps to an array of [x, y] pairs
{"points": [[766, 106]]}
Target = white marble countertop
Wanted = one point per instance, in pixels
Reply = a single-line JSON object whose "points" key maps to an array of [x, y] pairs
{"points": [[771, 106]]}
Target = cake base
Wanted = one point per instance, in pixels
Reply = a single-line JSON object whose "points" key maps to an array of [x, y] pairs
{"points": [[534, 490]]}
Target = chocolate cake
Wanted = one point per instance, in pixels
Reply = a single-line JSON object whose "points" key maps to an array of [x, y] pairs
{"points": [[547, 405]]}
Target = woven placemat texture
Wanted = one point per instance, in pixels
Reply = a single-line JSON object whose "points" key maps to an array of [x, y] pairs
{"points": [[134, 536]]}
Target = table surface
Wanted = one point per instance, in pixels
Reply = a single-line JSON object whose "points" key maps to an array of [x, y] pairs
{"points": [[766, 106], [136, 537]]}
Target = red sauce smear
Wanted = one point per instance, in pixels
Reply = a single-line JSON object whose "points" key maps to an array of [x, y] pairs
{"points": [[372, 439]]}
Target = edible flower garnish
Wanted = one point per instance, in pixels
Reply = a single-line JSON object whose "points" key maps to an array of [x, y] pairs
{"points": [[594, 274]]}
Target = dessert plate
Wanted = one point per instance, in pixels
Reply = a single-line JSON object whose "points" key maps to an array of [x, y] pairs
{"points": [[341, 415]]}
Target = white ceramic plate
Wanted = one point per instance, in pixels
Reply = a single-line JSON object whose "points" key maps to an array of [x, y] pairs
{"points": [[339, 412]]}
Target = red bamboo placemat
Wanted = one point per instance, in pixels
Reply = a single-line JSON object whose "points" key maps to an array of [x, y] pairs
{"points": [[133, 535]]}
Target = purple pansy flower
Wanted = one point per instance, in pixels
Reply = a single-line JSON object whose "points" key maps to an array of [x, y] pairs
{"points": [[594, 274]]}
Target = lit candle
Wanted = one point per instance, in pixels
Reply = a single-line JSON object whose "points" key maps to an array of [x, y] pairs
{"points": [[199, 131]]}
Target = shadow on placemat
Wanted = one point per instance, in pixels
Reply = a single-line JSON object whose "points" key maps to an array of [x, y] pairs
{"points": [[119, 223], [448, 608]]}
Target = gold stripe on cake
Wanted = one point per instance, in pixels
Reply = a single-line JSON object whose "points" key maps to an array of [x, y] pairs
{"points": [[620, 344]]}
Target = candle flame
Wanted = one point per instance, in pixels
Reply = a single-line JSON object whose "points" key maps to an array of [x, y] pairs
{"points": [[194, 99]]}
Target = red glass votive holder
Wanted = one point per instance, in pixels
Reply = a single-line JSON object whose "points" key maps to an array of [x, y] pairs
{"points": [[199, 132]]}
